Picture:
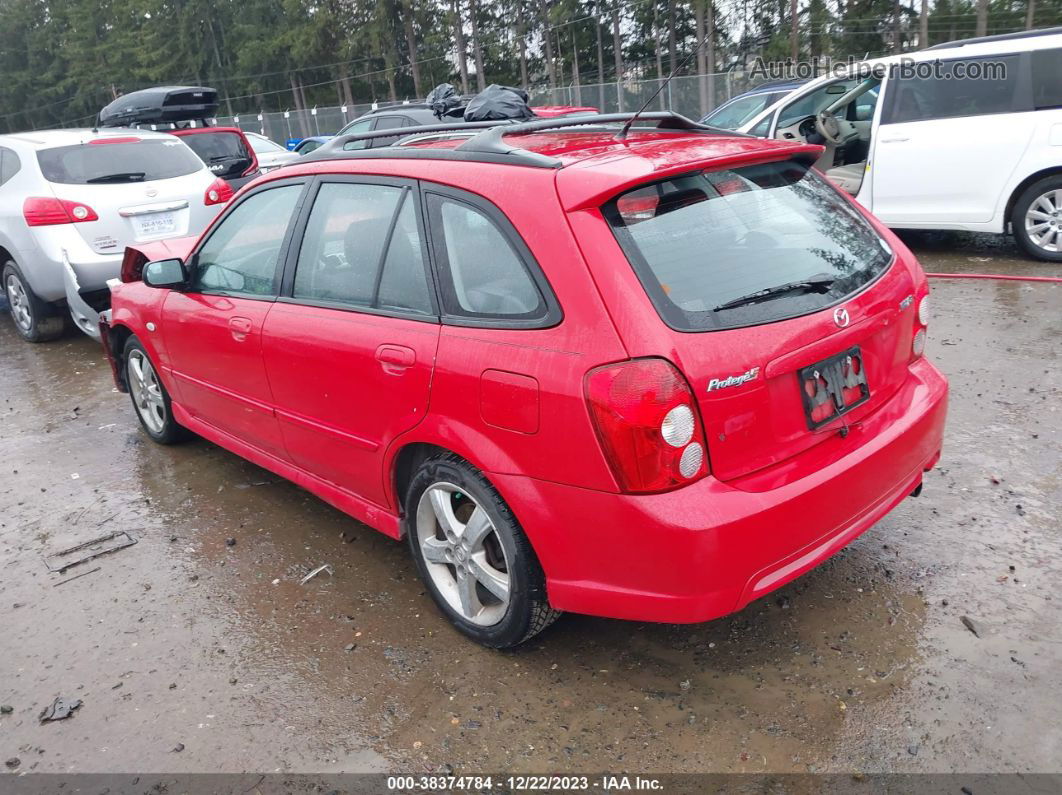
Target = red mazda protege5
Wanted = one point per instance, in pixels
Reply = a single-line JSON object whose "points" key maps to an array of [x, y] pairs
{"points": [[650, 375]]}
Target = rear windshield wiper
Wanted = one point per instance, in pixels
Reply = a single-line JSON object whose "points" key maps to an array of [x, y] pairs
{"points": [[815, 284], [124, 176]]}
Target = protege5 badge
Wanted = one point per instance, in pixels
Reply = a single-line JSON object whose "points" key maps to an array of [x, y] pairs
{"points": [[734, 380]]}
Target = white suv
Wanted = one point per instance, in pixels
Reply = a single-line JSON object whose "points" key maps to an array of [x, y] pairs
{"points": [[72, 200], [932, 151]]}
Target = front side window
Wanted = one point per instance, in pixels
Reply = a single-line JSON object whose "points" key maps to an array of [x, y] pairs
{"points": [[752, 245], [356, 128], [125, 160], [481, 273], [362, 248], [816, 101], [240, 256], [734, 114], [955, 91]]}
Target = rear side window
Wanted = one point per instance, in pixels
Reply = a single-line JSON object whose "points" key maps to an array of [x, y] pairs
{"points": [[481, 273], [126, 161], [1047, 79], [362, 248], [225, 153], [973, 87], [724, 249], [9, 164]]}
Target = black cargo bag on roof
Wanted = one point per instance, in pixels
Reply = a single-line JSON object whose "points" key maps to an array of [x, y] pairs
{"points": [[161, 105], [498, 102], [443, 100]]}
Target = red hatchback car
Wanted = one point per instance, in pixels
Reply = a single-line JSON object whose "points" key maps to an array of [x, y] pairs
{"points": [[650, 376]]}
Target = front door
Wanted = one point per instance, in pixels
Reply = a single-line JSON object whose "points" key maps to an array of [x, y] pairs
{"points": [[946, 146], [213, 331], [350, 345]]}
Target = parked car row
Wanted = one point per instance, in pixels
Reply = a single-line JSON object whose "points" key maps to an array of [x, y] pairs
{"points": [[973, 145]]}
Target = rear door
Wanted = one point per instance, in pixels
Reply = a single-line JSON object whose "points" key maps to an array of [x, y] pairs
{"points": [[213, 330], [141, 189], [947, 145], [768, 278], [350, 345]]}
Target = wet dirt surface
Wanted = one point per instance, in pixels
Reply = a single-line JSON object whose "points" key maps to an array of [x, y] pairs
{"points": [[191, 653]]}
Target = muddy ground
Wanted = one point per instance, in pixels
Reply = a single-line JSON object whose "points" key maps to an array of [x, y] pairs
{"points": [[191, 654]]}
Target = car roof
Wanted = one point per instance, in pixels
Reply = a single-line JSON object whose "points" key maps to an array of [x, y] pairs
{"points": [[590, 163], [45, 139]]}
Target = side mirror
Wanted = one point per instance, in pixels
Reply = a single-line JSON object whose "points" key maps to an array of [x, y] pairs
{"points": [[165, 273]]}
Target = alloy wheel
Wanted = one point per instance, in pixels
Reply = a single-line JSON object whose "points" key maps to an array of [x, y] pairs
{"points": [[147, 392], [463, 554], [1043, 221], [20, 304]]}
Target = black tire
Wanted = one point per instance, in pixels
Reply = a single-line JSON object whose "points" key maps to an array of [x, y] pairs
{"points": [[167, 430], [1022, 207], [528, 611], [34, 319]]}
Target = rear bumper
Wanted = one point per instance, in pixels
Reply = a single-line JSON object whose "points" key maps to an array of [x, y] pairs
{"points": [[711, 548]]}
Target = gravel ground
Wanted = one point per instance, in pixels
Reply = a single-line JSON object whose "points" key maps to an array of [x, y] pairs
{"points": [[198, 650]]}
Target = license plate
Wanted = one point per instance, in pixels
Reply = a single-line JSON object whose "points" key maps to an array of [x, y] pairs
{"points": [[834, 387], [153, 224]]}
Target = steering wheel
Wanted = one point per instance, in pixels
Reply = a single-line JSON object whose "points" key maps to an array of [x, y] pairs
{"points": [[828, 127]]}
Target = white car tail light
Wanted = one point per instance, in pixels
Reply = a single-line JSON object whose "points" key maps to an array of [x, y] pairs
{"points": [[49, 211]]}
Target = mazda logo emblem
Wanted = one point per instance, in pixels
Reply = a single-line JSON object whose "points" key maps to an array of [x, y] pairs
{"points": [[840, 316]]}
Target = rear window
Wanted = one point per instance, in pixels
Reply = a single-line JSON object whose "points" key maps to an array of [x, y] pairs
{"points": [[132, 161], [225, 153], [752, 245]]}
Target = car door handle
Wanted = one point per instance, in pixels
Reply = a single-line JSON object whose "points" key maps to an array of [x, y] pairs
{"points": [[395, 358], [240, 328], [894, 140]]}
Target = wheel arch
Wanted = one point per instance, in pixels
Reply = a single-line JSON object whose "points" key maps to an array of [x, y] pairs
{"points": [[119, 334], [1021, 187]]}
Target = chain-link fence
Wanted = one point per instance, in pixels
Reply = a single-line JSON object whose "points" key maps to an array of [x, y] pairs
{"points": [[692, 96]]}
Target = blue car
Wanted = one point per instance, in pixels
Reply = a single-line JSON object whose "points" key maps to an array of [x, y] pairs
{"points": [[306, 145], [736, 111]]}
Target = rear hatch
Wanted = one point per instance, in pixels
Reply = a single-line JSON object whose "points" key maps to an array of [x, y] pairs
{"points": [[141, 189], [226, 152], [783, 301]]}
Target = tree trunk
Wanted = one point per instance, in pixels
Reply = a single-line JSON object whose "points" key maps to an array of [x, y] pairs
{"points": [[923, 25], [521, 37], [1030, 14], [672, 42], [477, 48], [411, 45], [578, 89], [794, 32], [547, 44], [709, 51], [702, 83], [659, 39], [459, 41], [617, 56], [600, 67], [982, 17], [348, 92]]}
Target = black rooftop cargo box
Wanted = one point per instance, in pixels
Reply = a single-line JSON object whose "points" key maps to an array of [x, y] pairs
{"points": [[160, 105]]}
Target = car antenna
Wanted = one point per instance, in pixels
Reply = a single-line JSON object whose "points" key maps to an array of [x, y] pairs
{"points": [[622, 134]]}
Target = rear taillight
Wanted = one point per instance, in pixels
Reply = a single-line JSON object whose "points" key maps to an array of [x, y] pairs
{"points": [[918, 341], [48, 211], [219, 192], [647, 421]]}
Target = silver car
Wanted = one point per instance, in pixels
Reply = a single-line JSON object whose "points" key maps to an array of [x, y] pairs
{"points": [[270, 155], [72, 200]]}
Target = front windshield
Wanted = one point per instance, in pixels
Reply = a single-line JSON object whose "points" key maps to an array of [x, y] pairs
{"points": [[819, 99], [735, 113]]}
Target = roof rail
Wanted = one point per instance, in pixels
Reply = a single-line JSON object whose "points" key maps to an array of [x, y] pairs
{"points": [[1024, 34], [491, 140], [487, 144]]}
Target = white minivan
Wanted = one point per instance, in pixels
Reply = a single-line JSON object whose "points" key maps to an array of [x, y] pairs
{"points": [[966, 135]]}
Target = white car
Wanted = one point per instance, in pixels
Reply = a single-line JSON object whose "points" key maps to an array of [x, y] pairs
{"points": [[270, 154], [72, 200], [934, 148]]}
